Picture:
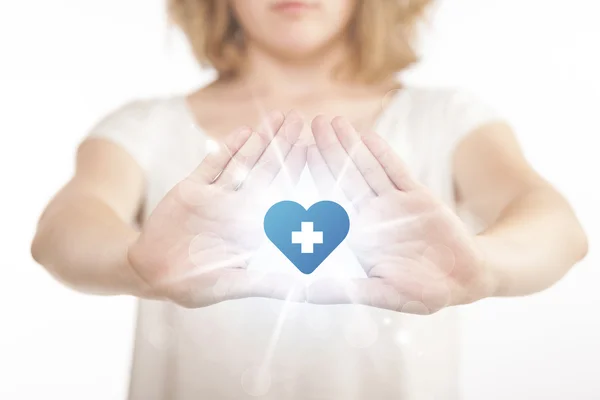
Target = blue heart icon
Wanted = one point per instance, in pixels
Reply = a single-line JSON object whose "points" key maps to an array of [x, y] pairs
{"points": [[307, 237]]}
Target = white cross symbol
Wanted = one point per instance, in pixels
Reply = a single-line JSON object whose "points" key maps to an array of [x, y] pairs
{"points": [[307, 238]]}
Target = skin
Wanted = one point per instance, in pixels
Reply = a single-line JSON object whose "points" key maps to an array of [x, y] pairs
{"points": [[197, 243], [417, 255]]}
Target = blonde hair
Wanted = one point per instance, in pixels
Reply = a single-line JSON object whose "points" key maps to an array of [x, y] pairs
{"points": [[381, 34]]}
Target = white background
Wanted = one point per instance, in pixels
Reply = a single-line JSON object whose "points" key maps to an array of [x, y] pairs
{"points": [[65, 63]]}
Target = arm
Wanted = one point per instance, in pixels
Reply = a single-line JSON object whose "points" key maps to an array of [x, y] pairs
{"points": [[83, 235], [532, 237], [195, 247], [419, 257]]}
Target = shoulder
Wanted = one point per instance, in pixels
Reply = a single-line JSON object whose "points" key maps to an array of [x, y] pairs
{"points": [[456, 109], [439, 97], [140, 126], [141, 119], [140, 111]]}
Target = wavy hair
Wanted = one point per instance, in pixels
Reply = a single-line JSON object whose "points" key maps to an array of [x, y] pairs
{"points": [[381, 34]]}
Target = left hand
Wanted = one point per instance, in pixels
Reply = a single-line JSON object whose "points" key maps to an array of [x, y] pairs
{"points": [[417, 254]]}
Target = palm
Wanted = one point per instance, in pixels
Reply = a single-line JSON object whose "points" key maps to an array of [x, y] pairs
{"points": [[180, 241], [417, 246], [195, 246], [416, 253]]}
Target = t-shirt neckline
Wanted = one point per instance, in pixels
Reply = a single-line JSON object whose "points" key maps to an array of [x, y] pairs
{"points": [[382, 116]]}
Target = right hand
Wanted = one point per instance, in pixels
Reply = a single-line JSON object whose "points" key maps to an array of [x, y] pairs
{"points": [[195, 246]]}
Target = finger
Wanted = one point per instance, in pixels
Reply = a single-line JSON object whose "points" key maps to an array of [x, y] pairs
{"points": [[246, 157], [243, 283], [213, 164], [237, 283], [272, 160], [324, 181], [322, 176], [347, 176], [372, 292], [365, 161], [392, 164], [293, 166], [283, 186]]}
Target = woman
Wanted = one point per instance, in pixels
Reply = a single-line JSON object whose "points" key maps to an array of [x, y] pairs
{"points": [[201, 185]]}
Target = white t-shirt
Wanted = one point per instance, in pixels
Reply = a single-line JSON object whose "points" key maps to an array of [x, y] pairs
{"points": [[270, 349]]}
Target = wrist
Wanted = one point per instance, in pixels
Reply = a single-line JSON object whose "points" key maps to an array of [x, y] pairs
{"points": [[136, 285], [494, 279]]}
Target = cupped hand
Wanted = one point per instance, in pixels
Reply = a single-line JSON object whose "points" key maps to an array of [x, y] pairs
{"points": [[195, 246], [417, 254]]}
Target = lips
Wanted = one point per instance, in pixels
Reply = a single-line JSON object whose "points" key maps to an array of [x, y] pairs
{"points": [[292, 6]]}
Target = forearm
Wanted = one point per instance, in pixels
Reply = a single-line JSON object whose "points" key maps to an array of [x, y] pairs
{"points": [[83, 243], [533, 243]]}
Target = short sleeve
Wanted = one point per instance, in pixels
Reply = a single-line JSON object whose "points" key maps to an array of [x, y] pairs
{"points": [[465, 113], [128, 126], [452, 115]]}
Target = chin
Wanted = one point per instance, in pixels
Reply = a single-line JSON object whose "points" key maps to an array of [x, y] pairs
{"points": [[292, 48]]}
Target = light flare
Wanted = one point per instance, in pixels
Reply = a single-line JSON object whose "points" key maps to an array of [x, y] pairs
{"points": [[272, 135], [212, 147]]}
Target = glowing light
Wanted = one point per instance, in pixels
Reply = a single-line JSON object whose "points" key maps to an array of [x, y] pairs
{"points": [[212, 146], [240, 175], [387, 321], [206, 268]]}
